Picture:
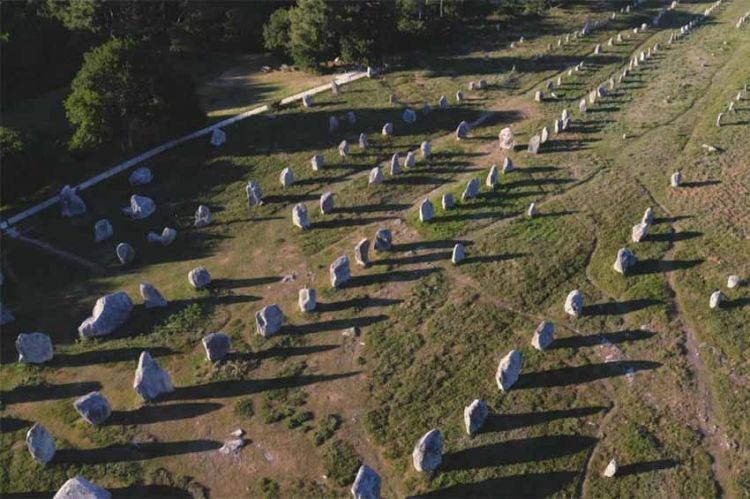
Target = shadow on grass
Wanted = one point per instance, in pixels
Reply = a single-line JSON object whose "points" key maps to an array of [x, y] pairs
{"points": [[493, 258], [658, 266], [244, 283], [414, 259], [618, 308], [9, 425], [371, 208], [48, 391], [645, 467], [506, 422], [347, 222], [702, 183], [440, 243], [592, 340], [158, 413], [333, 325], [673, 236], [281, 352], [133, 452], [106, 356], [393, 276], [566, 376], [357, 304], [738, 303], [528, 485]]}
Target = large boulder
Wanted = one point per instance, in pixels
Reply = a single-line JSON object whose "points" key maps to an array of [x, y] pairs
{"points": [[428, 453], [268, 320], [110, 312], [34, 348], [534, 143], [387, 129], [307, 299], [611, 469], [507, 139], [199, 277], [509, 369], [574, 303], [383, 240], [339, 271], [624, 261], [474, 416], [80, 488], [299, 216], [648, 216], [676, 179], [544, 137], [544, 335], [5, 316], [366, 484], [426, 211], [102, 230], [125, 253], [363, 142], [202, 216], [40, 443], [151, 380], [93, 407], [152, 298], [140, 207], [362, 252], [443, 102], [217, 346], [327, 203], [140, 176], [734, 281], [71, 205], [333, 123], [308, 101], [343, 148]]}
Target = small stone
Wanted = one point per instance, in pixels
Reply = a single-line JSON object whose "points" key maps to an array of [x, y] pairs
{"points": [[151, 380], [93, 407], [539, 96], [366, 484], [254, 194], [362, 252], [40, 443], [140, 207], [717, 297], [335, 88], [395, 167], [34, 348], [102, 230], [574, 303], [392, 99], [326, 203], [141, 176], [268, 320], [125, 253], [718, 119], [387, 129], [376, 176], [447, 201], [471, 191], [491, 180], [152, 298], [218, 137], [734, 281], [543, 335], [286, 177], [428, 453], [239, 432], [202, 216], [110, 312], [339, 271], [299, 216], [307, 299], [317, 162], [676, 179], [308, 101], [459, 254], [426, 211], [383, 240], [532, 211], [639, 232], [443, 102], [610, 470], [474, 416], [199, 277], [217, 346], [509, 369]]}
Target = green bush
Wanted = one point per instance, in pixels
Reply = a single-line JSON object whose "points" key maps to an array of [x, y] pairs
{"points": [[341, 463], [244, 408]]}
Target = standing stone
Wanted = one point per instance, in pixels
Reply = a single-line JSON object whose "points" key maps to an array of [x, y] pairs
{"points": [[366, 484], [459, 254], [268, 320], [71, 205], [167, 236], [383, 240], [507, 139], [543, 335], [307, 101], [151, 296], [141, 176], [40, 443], [362, 252], [376, 176], [363, 142], [447, 201], [716, 298], [254, 194], [333, 123], [610, 470], [392, 99], [34, 348], [351, 117], [574, 303], [93, 407], [110, 312], [299, 216], [559, 125], [387, 129], [307, 299], [472, 85], [507, 165], [326, 203], [199, 277], [343, 148], [426, 211], [534, 144], [411, 160], [202, 216], [676, 179], [597, 49], [5, 316], [140, 207], [151, 380], [102, 230], [462, 130], [218, 137], [734, 281], [339, 271], [565, 115], [395, 167], [545, 135], [317, 162], [539, 96], [335, 87], [639, 232], [428, 453], [459, 97], [409, 116], [474, 416], [550, 85], [443, 102], [286, 177], [426, 108], [532, 211], [509, 369], [471, 191], [718, 119], [80, 488], [648, 216], [217, 346], [491, 180]]}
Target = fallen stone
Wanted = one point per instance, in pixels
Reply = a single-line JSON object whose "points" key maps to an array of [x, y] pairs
{"points": [[717, 297], [387, 129], [140, 207], [71, 205], [326, 203], [459, 254], [110, 312], [254, 194], [471, 191], [151, 296], [268, 320], [362, 252], [151, 380], [102, 230], [376, 176], [734, 281], [383, 240], [610, 470], [199, 277], [307, 299], [339, 271], [574, 303], [534, 144], [426, 149], [317, 162], [363, 142], [474, 416], [532, 211], [509, 369], [395, 167], [217, 346], [426, 211], [233, 446], [299, 216], [639, 232], [34, 348], [343, 149], [202, 216], [428, 453], [93, 407], [141, 176], [366, 484], [447, 201], [543, 335], [507, 139]]}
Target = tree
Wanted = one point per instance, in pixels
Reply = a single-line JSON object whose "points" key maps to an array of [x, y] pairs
{"points": [[276, 32], [311, 39], [121, 85]]}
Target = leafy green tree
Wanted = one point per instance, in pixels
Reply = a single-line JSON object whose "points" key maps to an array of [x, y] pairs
{"points": [[276, 32], [311, 39]]}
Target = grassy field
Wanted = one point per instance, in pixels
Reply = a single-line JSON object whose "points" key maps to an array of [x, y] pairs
{"points": [[649, 375]]}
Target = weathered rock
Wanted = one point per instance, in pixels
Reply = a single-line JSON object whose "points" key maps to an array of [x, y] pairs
{"points": [[610, 470], [5, 316], [459, 254], [471, 191], [363, 142], [545, 135], [40, 443], [676, 179], [534, 144], [286, 177], [387, 129], [327, 203], [343, 149], [544, 334], [459, 97], [307, 299], [532, 211], [426, 149], [218, 137], [217, 346], [308, 101], [409, 116], [395, 166], [339, 271], [717, 297], [317, 162], [71, 205], [34, 348], [333, 123], [507, 139], [443, 102], [152, 298], [110, 312], [428, 453], [639, 232], [125, 253], [597, 49], [80, 488], [167, 236], [268, 320], [254, 194], [150, 380], [539, 96], [202, 216], [383, 240], [299, 216], [411, 160], [447, 201], [565, 115], [426, 211], [601, 91], [509, 369], [376, 176], [472, 85], [734, 281], [141, 176], [508, 165], [102, 230], [559, 124], [366, 484], [199, 277], [93, 407], [474, 416], [648, 216], [362, 252], [574, 303], [462, 130], [140, 207]]}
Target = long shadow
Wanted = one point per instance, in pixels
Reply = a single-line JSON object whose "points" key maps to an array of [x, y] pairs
{"points": [[669, 220], [282, 352], [333, 325], [553, 214], [290, 198], [133, 452], [646, 466], [441, 243], [524, 450], [505, 422], [527, 486], [371, 208], [618, 308], [493, 258], [9, 425], [393, 276], [347, 222], [240, 387], [150, 491], [244, 283], [148, 414], [576, 375], [673, 236], [738, 303], [416, 180], [356, 303], [592, 340], [413, 259], [659, 266], [702, 183], [106, 356], [38, 393]]}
